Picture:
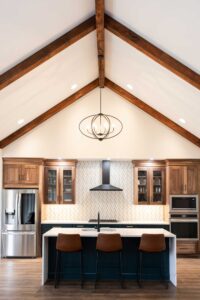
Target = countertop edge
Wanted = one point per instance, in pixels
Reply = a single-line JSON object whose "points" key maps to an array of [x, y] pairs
{"points": [[114, 223], [124, 232]]}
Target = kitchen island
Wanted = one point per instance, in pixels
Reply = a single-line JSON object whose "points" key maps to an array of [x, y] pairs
{"points": [[130, 237]]}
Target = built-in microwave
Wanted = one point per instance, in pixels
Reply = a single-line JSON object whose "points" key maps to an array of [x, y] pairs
{"points": [[184, 203]]}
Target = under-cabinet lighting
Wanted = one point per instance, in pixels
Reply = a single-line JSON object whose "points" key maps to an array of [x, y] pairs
{"points": [[20, 121], [151, 158], [182, 120], [74, 86]]}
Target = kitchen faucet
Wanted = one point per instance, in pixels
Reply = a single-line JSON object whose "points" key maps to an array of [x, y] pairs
{"points": [[98, 222]]}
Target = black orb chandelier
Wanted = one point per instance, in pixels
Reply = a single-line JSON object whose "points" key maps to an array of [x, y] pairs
{"points": [[100, 126]]}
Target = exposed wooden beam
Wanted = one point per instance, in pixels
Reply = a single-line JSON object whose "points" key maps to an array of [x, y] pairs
{"points": [[100, 39], [153, 52], [48, 114], [152, 112], [47, 52]]}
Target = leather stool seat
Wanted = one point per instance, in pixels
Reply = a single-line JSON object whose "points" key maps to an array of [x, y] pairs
{"points": [[151, 243], [68, 243], [109, 243]]}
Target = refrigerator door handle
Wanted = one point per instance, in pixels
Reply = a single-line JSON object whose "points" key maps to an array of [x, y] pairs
{"points": [[19, 209]]}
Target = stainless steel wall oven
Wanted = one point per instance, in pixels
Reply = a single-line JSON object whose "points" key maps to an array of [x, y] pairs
{"points": [[185, 226]]}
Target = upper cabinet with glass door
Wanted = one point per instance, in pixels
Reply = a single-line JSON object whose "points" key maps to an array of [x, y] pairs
{"points": [[67, 184], [149, 187], [59, 181]]}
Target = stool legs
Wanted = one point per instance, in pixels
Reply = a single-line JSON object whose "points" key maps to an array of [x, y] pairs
{"points": [[97, 268], [162, 268], [56, 269], [139, 270], [120, 270], [81, 268]]}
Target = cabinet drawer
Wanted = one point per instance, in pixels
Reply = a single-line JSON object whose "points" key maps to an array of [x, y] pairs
{"points": [[186, 247]]}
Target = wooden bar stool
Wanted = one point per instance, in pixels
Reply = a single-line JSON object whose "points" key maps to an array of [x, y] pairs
{"points": [[68, 243], [152, 243], [109, 243]]}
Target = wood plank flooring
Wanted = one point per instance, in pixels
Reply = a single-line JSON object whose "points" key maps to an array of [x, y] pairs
{"points": [[20, 279]]}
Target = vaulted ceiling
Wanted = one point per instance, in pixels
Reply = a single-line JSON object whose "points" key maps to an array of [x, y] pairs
{"points": [[171, 87]]}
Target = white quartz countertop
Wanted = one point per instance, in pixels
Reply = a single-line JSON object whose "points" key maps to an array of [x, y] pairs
{"points": [[124, 232], [114, 223]]}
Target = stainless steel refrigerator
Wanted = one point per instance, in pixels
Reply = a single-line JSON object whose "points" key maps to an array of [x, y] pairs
{"points": [[19, 222]]}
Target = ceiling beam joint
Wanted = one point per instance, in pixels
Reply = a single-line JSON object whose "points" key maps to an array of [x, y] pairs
{"points": [[99, 5]]}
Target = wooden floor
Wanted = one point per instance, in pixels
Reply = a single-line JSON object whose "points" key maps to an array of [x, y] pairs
{"points": [[20, 279]]}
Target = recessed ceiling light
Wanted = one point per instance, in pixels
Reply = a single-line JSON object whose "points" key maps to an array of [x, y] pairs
{"points": [[182, 120], [129, 86], [74, 86], [20, 121]]}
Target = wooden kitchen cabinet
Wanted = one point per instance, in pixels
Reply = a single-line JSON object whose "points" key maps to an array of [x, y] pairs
{"points": [[183, 180], [149, 185], [19, 173], [187, 247], [59, 181]]}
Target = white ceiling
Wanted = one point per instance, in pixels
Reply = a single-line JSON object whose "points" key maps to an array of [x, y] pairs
{"points": [[152, 83], [173, 26], [26, 26], [48, 84]]}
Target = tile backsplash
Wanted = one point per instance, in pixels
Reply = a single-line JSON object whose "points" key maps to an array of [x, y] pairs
{"points": [[111, 205]]}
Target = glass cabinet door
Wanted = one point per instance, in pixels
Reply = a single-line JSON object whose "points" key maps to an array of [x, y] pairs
{"points": [[51, 185], [143, 186], [157, 186], [67, 193]]}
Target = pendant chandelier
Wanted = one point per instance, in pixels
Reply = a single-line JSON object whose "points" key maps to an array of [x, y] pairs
{"points": [[100, 126]]}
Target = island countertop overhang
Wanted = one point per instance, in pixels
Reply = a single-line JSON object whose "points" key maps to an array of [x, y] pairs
{"points": [[124, 232]]}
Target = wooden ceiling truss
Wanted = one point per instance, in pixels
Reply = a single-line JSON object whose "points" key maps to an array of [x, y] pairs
{"points": [[100, 22]]}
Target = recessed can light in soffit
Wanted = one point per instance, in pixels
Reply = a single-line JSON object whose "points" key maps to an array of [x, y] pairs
{"points": [[181, 120], [129, 86], [20, 121], [74, 86]]}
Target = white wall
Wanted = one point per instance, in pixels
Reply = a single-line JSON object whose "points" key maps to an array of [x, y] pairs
{"points": [[142, 137]]}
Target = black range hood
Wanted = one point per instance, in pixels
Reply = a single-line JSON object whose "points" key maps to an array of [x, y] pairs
{"points": [[106, 186]]}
